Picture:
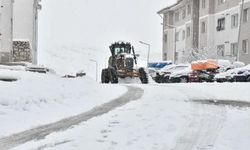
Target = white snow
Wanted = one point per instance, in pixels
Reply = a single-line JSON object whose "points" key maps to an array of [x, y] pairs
{"points": [[37, 99], [164, 118]]}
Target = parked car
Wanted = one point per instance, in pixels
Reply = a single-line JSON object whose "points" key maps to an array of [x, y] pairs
{"points": [[235, 75], [153, 67], [181, 76], [199, 71], [242, 76], [193, 76], [163, 75]]}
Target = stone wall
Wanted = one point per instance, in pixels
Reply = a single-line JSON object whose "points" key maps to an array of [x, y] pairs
{"points": [[21, 51]]}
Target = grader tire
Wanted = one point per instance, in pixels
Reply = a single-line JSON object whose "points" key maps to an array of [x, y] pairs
{"points": [[105, 76], [143, 76]]}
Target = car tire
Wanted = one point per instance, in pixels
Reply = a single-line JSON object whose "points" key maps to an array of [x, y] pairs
{"points": [[248, 79], [183, 80]]}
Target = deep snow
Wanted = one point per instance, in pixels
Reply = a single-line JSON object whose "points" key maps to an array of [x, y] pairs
{"points": [[37, 99], [164, 118]]}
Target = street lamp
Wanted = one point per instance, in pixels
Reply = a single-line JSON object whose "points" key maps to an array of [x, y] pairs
{"points": [[173, 27], [96, 71], [144, 43]]}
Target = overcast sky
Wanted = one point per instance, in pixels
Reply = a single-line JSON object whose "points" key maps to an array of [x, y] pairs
{"points": [[97, 23]]}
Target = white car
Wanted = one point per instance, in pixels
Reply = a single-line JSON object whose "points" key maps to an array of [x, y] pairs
{"points": [[238, 74]]}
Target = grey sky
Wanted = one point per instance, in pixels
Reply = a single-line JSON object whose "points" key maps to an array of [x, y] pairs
{"points": [[97, 23]]}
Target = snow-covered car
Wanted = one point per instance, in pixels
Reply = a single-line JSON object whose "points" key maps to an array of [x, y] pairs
{"points": [[181, 76], [198, 71], [155, 66], [224, 65], [235, 75], [163, 75], [189, 75]]}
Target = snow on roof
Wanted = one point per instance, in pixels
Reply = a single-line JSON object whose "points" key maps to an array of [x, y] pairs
{"points": [[169, 7]]}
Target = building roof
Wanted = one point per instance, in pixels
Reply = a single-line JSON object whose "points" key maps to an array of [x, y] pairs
{"points": [[169, 7]]}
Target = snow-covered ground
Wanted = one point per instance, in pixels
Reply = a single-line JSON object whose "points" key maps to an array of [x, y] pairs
{"points": [[37, 99], [164, 118]]}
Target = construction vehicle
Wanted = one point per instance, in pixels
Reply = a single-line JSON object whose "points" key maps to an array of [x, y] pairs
{"points": [[122, 64]]}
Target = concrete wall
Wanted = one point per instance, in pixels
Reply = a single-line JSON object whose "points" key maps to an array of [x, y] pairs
{"points": [[5, 30], [229, 35], [245, 34], [25, 17]]}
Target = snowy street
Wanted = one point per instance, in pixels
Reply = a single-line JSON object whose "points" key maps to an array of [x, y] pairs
{"points": [[154, 116], [125, 75], [42, 131]]}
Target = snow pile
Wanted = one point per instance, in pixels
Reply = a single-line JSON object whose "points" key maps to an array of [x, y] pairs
{"points": [[30, 100], [8, 75]]}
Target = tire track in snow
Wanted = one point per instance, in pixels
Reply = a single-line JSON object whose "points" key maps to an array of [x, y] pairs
{"points": [[133, 93], [202, 128]]}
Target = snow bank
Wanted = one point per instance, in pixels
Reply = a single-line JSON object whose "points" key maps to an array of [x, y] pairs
{"points": [[34, 97]]}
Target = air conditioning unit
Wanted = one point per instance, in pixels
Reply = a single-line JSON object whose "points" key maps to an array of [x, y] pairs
{"points": [[218, 28], [39, 7]]}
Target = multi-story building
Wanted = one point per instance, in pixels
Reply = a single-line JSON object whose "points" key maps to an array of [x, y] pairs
{"points": [[214, 27], [6, 9], [25, 30]]}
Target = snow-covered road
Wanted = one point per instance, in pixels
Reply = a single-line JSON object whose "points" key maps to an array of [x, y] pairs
{"points": [[167, 117], [41, 132]]}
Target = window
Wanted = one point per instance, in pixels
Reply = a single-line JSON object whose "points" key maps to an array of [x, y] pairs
{"points": [[177, 16], [234, 20], [165, 38], [245, 46], [221, 2], [177, 36], [188, 9], [176, 56], [183, 13], [183, 35], [188, 32], [203, 27], [221, 50], [245, 15], [165, 56], [234, 49], [221, 24], [203, 4]]}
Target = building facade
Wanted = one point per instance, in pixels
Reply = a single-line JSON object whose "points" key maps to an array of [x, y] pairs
{"points": [[19, 30], [25, 30], [215, 28], [6, 26]]}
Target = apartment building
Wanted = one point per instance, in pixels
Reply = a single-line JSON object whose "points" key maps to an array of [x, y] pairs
{"points": [[6, 9], [212, 26]]}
